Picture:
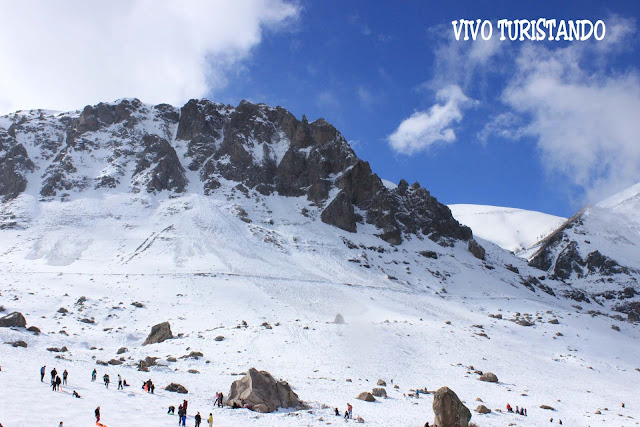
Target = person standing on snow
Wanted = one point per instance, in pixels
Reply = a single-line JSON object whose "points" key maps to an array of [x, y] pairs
{"points": [[210, 419], [120, 383], [94, 374], [65, 374], [106, 380], [97, 412], [42, 371], [198, 419], [58, 382], [350, 410], [53, 375]]}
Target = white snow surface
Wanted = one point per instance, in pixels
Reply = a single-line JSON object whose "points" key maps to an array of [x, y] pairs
{"points": [[192, 261], [510, 228]]}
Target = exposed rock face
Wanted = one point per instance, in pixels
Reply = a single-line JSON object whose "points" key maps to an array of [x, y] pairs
{"points": [[15, 164], [381, 383], [261, 392], [449, 410], [137, 147], [159, 333], [176, 388], [15, 319]]}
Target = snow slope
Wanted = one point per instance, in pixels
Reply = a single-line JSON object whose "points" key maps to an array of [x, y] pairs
{"points": [[193, 262], [110, 218], [510, 228]]}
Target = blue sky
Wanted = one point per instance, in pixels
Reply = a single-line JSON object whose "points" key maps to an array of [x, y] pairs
{"points": [[546, 126], [367, 66]]}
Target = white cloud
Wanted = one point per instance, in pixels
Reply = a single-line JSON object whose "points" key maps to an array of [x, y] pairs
{"points": [[67, 54], [585, 121], [426, 128]]}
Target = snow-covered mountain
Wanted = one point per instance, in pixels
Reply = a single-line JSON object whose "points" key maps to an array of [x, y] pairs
{"points": [[512, 229], [209, 215], [599, 248]]}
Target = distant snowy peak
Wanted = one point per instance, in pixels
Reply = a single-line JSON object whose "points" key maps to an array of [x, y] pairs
{"points": [[512, 229], [203, 147]]}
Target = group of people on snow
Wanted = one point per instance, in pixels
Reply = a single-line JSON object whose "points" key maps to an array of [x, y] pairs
{"points": [[519, 411]]}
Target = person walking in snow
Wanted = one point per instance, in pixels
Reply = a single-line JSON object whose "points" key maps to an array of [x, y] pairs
{"points": [[65, 374], [180, 413], [53, 375], [106, 380], [42, 372], [210, 419], [58, 382], [94, 374], [198, 419], [220, 400], [337, 412], [350, 410], [120, 383], [97, 412]]}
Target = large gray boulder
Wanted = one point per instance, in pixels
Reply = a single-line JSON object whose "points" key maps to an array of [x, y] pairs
{"points": [[449, 410], [159, 333], [15, 319], [262, 393]]}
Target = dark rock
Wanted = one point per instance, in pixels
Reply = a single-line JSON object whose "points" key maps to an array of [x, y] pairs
{"points": [[15, 164], [18, 344], [137, 304], [219, 338], [547, 407], [176, 388], [114, 362], [477, 250], [13, 320], [449, 410], [122, 350], [34, 329], [429, 254], [381, 383], [158, 167], [261, 392], [159, 333], [63, 310]]}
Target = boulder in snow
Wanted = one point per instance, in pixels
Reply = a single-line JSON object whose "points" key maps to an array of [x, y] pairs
{"points": [[261, 392], [366, 396], [159, 333], [449, 410], [176, 388], [481, 409], [339, 319], [489, 377], [15, 319], [379, 392]]}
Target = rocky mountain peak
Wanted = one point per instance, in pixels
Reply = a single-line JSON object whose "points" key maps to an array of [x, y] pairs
{"points": [[130, 146]]}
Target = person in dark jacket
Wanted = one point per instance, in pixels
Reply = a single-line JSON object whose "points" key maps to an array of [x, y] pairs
{"points": [[337, 412], [53, 375], [172, 410], [198, 419], [220, 400], [97, 412], [58, 382], [65, 374], [94, 374], [105, 378], [42, 371], [75, 394]]}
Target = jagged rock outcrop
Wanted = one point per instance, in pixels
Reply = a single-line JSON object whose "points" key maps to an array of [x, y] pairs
{"points": [[260, 392], [15, 164], [449, 410], [137, 147]]}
